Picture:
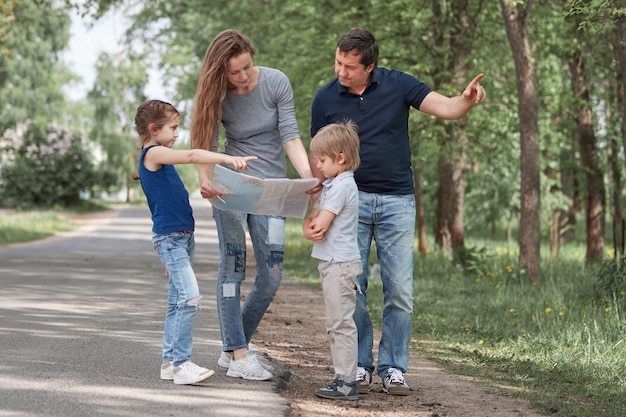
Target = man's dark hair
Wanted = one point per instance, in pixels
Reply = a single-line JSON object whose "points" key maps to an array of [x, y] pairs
{"points": [[361, 41]]}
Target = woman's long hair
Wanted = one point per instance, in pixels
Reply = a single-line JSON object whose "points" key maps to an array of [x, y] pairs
{"points": [[213, 85]]}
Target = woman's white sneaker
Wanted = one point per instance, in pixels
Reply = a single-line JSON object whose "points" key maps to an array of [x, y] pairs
{"points": [[167, 371], [248, 367], [226, 357], [190, 373]]}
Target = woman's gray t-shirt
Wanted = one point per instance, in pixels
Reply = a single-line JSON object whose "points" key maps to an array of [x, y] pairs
{"points": [[259, 123]]}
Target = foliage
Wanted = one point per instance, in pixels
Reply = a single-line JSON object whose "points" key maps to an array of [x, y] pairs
{"points": [[425, 39], [43, 167], [32, 35], [7, 15], [472, 259], [610, 282], [117, 92]]}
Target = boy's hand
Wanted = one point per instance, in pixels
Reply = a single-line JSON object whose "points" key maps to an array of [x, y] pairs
{"points": [[316, 234]]}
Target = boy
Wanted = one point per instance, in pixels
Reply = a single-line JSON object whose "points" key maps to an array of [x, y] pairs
{"points": [[332, 226]]}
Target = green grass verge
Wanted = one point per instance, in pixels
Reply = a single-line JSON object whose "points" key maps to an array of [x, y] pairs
{"points": [[560, 343], [25, 226]]}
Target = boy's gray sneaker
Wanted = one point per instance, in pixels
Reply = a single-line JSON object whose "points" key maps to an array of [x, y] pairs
{"points": [[339, 390], [394, 384], [363, 380]]}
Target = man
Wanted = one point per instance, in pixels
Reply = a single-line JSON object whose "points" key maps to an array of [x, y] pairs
{"points": [[378, 100]]}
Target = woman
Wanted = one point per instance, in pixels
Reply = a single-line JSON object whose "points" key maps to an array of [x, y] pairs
{"points": [[255, 106]]}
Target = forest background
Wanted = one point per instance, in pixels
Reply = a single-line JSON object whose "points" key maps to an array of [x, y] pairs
{"points": [[537, 167]]}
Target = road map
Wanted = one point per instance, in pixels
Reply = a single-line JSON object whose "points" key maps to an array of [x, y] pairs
{"points": [[275, 196]]}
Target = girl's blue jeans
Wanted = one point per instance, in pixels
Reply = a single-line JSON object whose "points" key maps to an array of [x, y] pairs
{"points": [[176, 251]]}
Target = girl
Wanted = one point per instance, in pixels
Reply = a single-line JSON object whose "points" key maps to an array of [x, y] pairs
{"points": [[173, 230]]}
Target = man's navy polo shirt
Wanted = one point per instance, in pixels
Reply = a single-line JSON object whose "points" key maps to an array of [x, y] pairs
{"points": [[382, 116]]}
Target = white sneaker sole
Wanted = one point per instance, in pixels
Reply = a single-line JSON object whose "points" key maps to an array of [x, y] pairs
{"points": [[199, 378], [237, 374]]}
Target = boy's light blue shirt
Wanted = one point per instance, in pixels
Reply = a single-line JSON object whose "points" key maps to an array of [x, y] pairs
{"points": [[340, 196]]}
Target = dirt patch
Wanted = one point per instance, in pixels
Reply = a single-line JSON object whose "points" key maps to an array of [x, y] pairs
{"points": [[293, 337]]}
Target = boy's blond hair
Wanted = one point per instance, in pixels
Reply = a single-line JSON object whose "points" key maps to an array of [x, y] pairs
{"points": [[336, 138]]}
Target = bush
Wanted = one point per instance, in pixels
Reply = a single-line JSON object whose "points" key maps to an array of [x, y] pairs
{"points": [[609, 280], [43, 167]]}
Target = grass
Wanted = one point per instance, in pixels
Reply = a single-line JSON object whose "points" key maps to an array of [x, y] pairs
{"points": [[560, 343], [25, 226]]}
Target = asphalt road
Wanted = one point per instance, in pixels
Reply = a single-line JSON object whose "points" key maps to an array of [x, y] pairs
{"points": [[81, 321]]}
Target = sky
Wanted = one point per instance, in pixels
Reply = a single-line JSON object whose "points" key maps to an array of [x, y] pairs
{"points": [[87, 42]]}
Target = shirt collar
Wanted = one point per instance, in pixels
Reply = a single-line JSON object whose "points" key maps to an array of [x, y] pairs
{"points": [[374, 79], [329, 181]]}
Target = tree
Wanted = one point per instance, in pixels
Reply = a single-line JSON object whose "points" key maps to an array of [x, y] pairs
{"points": [[516, 16], [589, 152], [32, 34], [7, 17], [475, 176], [117, 91], [452, 25], [618, 13], [620, 53], [605, 22]]}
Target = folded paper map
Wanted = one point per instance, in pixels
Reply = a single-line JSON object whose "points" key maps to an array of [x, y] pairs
{"points": [[274, 196]]}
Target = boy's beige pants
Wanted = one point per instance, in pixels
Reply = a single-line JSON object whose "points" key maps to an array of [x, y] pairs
{"points": [[339, 288]]}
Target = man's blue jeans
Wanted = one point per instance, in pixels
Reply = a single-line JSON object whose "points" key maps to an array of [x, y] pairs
{"points": [[176, 251], [267, 233], [390, 221]]}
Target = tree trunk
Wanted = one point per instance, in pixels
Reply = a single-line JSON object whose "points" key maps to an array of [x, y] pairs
{"points": [[449, 233], [451, 192], [569, 187], [515, 19], [422, 247], [554, 224], [595, 204], [615, 178], [620, 54]]}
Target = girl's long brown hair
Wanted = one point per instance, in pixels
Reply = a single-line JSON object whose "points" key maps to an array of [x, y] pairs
{"points": [[154, 112], [213, 85]]}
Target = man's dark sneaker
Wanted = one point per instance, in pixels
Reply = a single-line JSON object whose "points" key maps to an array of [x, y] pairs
{"points": [[363, 380], [393, 383], [339, 390]]}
